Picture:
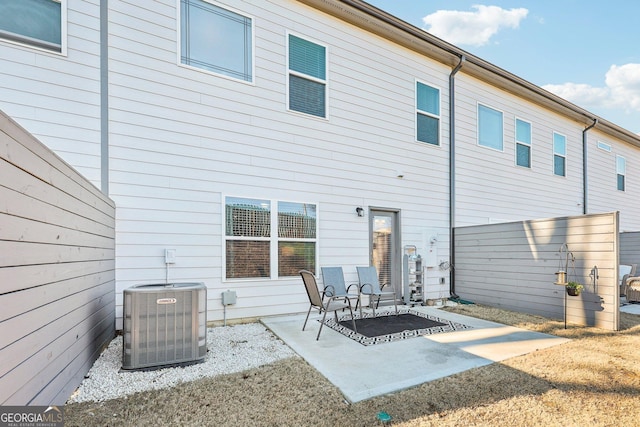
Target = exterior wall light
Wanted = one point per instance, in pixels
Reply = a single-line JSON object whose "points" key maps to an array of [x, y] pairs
{"points": [[360, 211]]}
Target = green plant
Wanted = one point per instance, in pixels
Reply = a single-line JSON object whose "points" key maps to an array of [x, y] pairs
{"points": [[574, 288]]}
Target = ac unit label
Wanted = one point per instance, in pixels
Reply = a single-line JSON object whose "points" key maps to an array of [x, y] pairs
{"points": [[166, 301]]}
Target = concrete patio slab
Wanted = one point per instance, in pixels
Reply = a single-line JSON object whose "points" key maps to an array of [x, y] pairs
{"points": [[362, 372]]}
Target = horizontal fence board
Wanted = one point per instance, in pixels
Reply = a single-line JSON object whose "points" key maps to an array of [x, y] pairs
{"points": [[30, 276], [30, 186], [26, 300], [74, 304], [18, 204], [26, 253], [14, 228]]}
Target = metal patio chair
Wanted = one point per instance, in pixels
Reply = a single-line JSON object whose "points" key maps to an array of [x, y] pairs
{"points": [[334, 285], [370, 285], [323, 303]]}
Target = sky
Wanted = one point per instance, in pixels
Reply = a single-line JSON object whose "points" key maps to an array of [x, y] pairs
{"points": [[586, 51]]}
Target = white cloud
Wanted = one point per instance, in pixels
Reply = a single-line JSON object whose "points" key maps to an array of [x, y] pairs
{"points": [[624, 84], [621, 90], [472, 28], [581, 94]]}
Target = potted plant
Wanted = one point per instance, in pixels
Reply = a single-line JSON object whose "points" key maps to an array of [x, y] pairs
{"points": [[574, 288]]}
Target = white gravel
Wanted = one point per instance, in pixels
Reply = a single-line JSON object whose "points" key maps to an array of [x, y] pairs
{"points": [[231, 349]]}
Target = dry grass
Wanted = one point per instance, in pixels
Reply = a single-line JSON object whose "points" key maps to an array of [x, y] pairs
{"points": [[593, 380]]}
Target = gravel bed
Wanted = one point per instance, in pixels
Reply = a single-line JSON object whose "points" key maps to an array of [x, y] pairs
{"points": [[230, 349]]}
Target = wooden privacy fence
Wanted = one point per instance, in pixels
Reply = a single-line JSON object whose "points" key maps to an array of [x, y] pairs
{"points": [[512, 266], [57, 272]]}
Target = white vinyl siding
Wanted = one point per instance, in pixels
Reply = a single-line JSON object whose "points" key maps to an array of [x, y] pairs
{"points": [[427, 113], [37, 23], [181, 142], [604, 195], [523, 143], [490, 128], [489, 186], [307, 79], [57, 97], [216, 39], [621, 172], [559, 154]]}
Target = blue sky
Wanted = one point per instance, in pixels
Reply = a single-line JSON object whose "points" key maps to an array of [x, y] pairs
{"points": [[586, 51]]}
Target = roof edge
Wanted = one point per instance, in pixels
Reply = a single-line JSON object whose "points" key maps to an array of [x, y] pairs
{"points": [[377, 21]]}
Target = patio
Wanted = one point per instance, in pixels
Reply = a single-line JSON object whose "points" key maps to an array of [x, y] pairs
{"points": [[362, 372]]}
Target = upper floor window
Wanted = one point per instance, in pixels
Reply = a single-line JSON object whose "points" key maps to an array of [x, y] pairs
{"points": [[604, 146], [427, 114], [307, 77], [216, 39], [621, 172], [523, 143], [559, 154], [37, 23], [490, 129], [253, 249]]}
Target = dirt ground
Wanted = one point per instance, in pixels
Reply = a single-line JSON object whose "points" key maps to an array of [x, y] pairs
{"points": [[593, 380]]}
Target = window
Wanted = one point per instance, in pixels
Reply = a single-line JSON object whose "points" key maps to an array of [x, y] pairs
{"points": [[296, 238], [253, 250], [248, 232], [621, 171], [307, 77], [559, 154], [604, 146], [427, 114], [523, 143], [38, 23], [489, 127], [216, 39]]}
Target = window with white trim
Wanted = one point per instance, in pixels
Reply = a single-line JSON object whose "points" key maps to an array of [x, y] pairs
{"points": [[307, 65], [559, 154], [216, 39], [427, 114], [37, 23], [523, 143], [254, 250], [621, 172], [490, 127], [604, 146]]}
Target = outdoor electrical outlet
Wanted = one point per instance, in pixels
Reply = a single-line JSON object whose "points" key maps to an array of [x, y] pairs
{"points": [[169, 256]]}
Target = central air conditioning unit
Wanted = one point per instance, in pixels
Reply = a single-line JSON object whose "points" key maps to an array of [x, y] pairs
{"points": [[164, 325]]}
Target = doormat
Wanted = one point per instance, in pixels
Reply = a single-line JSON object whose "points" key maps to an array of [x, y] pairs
{"points": [[387, 327]]}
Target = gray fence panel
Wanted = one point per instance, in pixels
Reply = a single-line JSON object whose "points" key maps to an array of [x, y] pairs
{"points": [[57, 272], [513, 265]]}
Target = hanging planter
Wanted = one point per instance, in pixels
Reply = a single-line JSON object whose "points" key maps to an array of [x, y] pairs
{"points": [[574, 288]]}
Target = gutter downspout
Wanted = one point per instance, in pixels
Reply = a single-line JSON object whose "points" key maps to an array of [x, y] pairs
{"points": [[452, 175], [585, 163], [104, 96]]}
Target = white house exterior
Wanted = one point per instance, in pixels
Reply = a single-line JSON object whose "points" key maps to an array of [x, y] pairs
{"points": [[174, 135]]}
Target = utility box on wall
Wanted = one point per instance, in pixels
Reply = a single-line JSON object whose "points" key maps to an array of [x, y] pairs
{"points": [[164, 325]]}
